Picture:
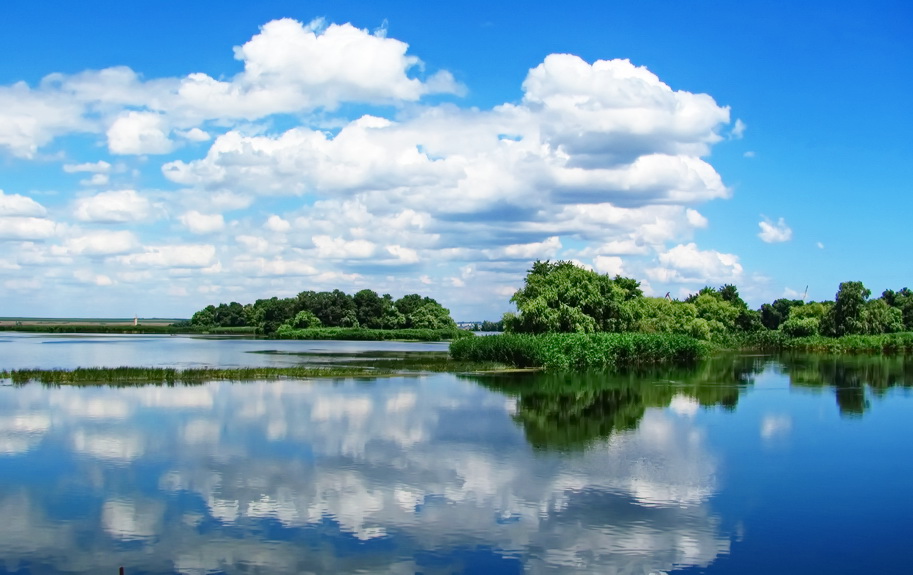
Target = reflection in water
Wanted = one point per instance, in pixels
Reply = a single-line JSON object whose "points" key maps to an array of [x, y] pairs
{"points": [[571, 411], [401, 475], [850, 376]]}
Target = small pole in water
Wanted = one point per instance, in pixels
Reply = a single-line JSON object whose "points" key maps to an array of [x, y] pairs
{"points": [[121, 570]]}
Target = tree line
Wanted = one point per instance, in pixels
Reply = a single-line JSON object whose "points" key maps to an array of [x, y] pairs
{"points": [[561, 297], [310, 309]]}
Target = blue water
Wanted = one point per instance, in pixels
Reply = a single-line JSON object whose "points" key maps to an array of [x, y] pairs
{"points": [[745, 465]]}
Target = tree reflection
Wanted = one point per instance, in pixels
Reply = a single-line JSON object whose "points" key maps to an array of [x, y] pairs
{"points": [[572, 410], [853, 378]]}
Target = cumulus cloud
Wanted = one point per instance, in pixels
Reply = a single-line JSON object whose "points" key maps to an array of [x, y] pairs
{"points": [[600, 162], [173, 256], [139, 133], [19, 206], [199, 223], [101, 243], [288, 67], [118, 206], [688, 263], [611, 265], [774, 232], [25, 228]]}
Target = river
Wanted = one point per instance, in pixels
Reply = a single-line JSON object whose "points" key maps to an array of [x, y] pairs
{"points": [[794, 464]]}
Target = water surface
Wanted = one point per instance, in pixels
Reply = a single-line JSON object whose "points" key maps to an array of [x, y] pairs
{"points": [[742, 465]]}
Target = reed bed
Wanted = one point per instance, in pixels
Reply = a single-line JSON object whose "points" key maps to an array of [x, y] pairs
{"points": [[889, 343], [579, 352], [128, 376]]}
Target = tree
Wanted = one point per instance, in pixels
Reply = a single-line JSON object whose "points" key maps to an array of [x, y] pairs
{"points": [[774, 314], [304, 319], [878, 317], [563, 297], [369, 309], [269, 314], [845, 317], [431, 316], [902, 300]]}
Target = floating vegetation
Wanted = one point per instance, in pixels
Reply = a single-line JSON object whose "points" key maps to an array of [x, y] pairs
{"points": [[376, 364], [127, 376]]}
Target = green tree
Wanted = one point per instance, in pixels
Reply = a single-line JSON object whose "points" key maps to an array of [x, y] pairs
{"points": [[271, 313], [562, 297], [902, 300], [369, 308], [773, 314], [878, 317], [431, 316], [304, 319], [845, 317]]}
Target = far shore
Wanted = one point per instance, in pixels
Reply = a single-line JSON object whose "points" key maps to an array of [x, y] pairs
{"points": [[89, 321]]}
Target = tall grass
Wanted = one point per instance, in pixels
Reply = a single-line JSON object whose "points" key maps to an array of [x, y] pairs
{"points": [[889, 343], [128, 376], [573, 351]]}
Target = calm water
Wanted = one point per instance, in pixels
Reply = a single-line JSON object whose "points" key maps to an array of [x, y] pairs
{"points": [[741, 465]]}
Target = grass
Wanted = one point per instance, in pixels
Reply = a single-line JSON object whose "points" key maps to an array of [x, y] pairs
{"points": [[127, 376], [579, 352], [890, 343]]}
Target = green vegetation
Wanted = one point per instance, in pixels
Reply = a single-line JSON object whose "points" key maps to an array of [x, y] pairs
{"points": [[361, 334], [310, 310], [573, 410], [564, 298], [565, 351], [127, 376]]}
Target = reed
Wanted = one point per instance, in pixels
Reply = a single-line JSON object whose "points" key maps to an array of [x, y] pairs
{"points": [[889, 343], [579, 352], [128, 376]]}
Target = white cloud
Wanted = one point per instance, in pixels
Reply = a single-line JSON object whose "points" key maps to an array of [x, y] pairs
{"points": [[139, 133], [277, 224], [194, 135], [101, 243], [595, 162], [688, 263], [738, 130], [173, 256], [199, 223], [339, 248], [24, 228], [99, 167], [820, 245], [88, 277], [611, 265], [21, 206], [774, 232], [118, 206]]}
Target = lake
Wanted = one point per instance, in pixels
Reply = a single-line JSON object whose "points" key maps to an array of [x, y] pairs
{"points": [[743, 464]]}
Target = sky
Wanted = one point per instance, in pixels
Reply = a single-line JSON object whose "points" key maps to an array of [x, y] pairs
{"points": [[157, 157]]}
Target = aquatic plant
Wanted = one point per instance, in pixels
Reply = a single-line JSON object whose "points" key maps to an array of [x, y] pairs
{"points": [[578, 351]]}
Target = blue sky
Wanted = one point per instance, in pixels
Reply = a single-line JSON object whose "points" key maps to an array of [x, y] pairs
{"points": [[159, 156]]}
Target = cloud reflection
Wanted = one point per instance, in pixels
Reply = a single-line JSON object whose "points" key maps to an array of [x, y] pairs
{"points": [[339, 478]]}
